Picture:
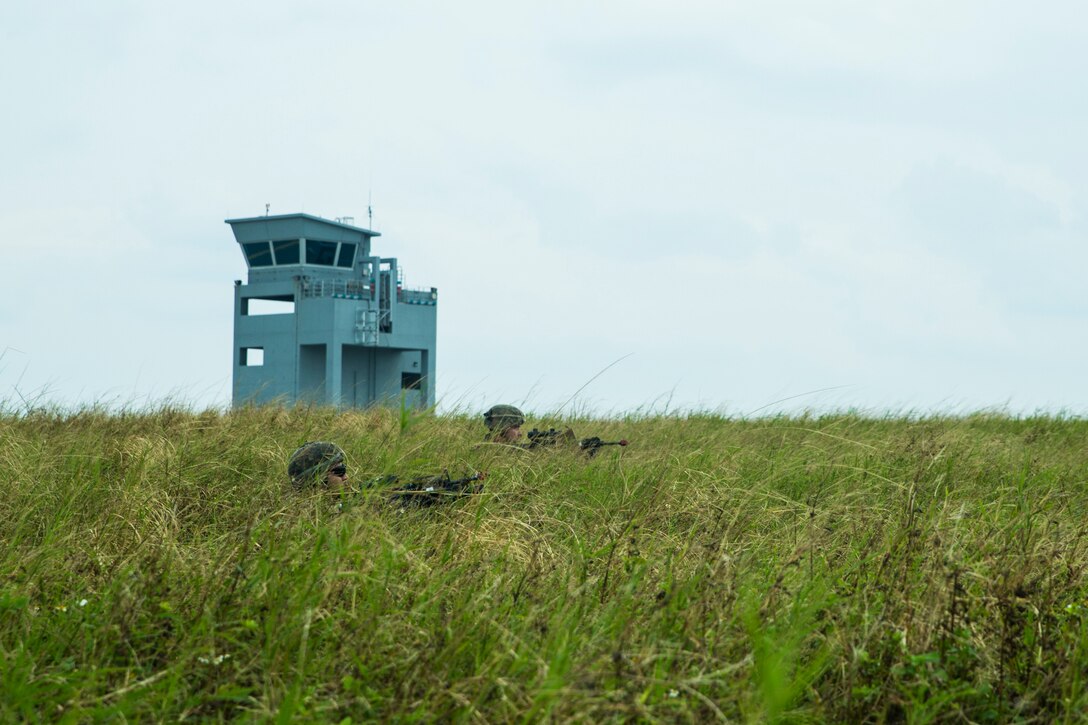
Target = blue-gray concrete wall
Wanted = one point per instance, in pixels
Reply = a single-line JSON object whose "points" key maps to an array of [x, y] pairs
{"points": [[275, 334], [372, 375]]}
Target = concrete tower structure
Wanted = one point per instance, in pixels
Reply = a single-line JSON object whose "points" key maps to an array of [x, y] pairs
{"points": [[323, 321]]}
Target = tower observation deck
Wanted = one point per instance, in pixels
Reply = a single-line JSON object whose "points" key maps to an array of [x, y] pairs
{"points": [[320, 320]]}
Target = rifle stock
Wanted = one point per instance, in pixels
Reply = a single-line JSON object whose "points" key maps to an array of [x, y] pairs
{"points": [[549, 438]]}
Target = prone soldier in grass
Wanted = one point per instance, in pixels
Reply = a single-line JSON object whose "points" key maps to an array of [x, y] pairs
{"points": [[320, 464], [504, 424]]}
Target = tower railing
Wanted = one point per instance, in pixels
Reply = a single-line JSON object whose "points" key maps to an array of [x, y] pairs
{"points": [[353, 289], [417, 296]]}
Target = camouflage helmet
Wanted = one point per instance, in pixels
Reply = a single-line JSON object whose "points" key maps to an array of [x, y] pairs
{"points": [[311, 461], [502, 417]]}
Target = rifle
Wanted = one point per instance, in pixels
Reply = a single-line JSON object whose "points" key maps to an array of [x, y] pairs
{"points": [[549, 438], [553, 437], [430, 490], [593, 445]]}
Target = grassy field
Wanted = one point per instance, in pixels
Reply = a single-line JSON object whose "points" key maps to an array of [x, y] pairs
{"points": [[157, 566]]}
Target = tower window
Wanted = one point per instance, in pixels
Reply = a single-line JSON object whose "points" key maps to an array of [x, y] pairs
{"points": [[286, 251], [323, 253], [258, 254], [410, 381], [256, 306], [251, 357], [347, 255]]}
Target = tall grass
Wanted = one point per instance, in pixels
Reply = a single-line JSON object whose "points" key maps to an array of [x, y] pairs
{"points": [[157, 566]]}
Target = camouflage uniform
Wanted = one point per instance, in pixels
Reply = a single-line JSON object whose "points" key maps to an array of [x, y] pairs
{"points": [[310, 463]]}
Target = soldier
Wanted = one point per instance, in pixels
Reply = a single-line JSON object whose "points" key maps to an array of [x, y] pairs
{"points": [[318, 463], [504, 423]]}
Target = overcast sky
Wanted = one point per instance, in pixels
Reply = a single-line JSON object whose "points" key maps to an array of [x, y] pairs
{"points": [[745, 206]]}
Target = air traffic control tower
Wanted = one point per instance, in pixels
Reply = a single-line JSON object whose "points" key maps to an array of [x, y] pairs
{"points": [[322, 321]]}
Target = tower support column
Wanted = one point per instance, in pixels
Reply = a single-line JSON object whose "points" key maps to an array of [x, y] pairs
{"points": [[334, 367], [426, 384]]}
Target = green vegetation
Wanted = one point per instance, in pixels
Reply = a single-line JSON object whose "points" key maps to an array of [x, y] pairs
{"points": [[156, 566]]}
